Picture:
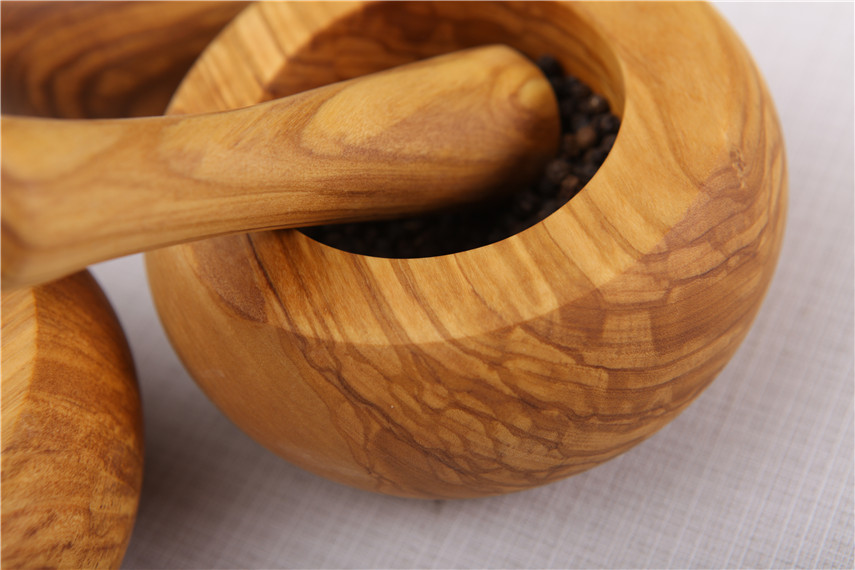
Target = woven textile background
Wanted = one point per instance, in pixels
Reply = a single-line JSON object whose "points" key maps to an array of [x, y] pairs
{"points": [[757, 473]]}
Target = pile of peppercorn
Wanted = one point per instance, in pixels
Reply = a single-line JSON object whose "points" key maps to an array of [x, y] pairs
{"points": [[588, 133]]}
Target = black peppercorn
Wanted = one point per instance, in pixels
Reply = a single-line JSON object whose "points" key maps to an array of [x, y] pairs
{"points": [[595, 104], [606, 123], [556, 170], [586, 137], [570, 186], [550, 66]]}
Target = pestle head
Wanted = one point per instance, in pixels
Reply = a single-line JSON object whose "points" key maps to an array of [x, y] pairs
{"points": [[455, 128]]}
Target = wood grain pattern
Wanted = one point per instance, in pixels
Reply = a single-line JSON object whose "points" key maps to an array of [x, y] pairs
{"points": [[101, 59], [528, 360], [434, 134], [72, 448]]}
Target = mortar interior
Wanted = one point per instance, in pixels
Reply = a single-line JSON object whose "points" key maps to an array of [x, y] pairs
{"points": [[387, 34]]}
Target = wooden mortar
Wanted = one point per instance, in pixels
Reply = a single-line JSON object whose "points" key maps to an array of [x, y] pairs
{"points": [[525, 361]]}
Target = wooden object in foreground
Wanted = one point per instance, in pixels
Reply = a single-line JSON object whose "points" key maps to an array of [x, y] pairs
{"points": [[72, 447], [437, 133], [525, 361], [72, 456], [101, 59]]}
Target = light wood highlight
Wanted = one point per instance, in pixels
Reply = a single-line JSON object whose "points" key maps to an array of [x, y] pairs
{"points": [[72, 442], [101, 59], [528, 360], [434, 134]]}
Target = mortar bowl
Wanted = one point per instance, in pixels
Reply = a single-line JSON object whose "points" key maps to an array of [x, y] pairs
{"points": [[518, 363]]}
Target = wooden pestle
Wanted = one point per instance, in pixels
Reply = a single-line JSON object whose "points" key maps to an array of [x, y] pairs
{"points": [[429, 135]]}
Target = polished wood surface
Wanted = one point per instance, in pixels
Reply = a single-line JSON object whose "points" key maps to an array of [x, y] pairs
{"points": [[525, 361], [72, 441], [435, 134], [72, 438], [101, 59]]}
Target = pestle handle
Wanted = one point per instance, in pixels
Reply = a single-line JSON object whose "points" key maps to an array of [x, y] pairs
{"points": [[429, 135]]}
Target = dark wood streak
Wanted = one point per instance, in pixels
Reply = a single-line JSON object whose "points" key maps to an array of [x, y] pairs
{"points": [[129, 76]]}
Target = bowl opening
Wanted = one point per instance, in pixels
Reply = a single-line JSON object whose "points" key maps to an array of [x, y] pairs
{"points": [[579, 63]]}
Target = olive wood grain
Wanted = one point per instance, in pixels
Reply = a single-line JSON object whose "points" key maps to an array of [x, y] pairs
{"points": [[434, 134], [101, 59], [525, 361], [72, 440], [72, 447]]}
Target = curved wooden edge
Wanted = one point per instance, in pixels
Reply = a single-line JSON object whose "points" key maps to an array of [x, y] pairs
{"points": [[101, 59], [72, 441]]}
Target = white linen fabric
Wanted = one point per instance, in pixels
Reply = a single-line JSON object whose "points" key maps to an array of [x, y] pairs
{"points": [[757, 473]]}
